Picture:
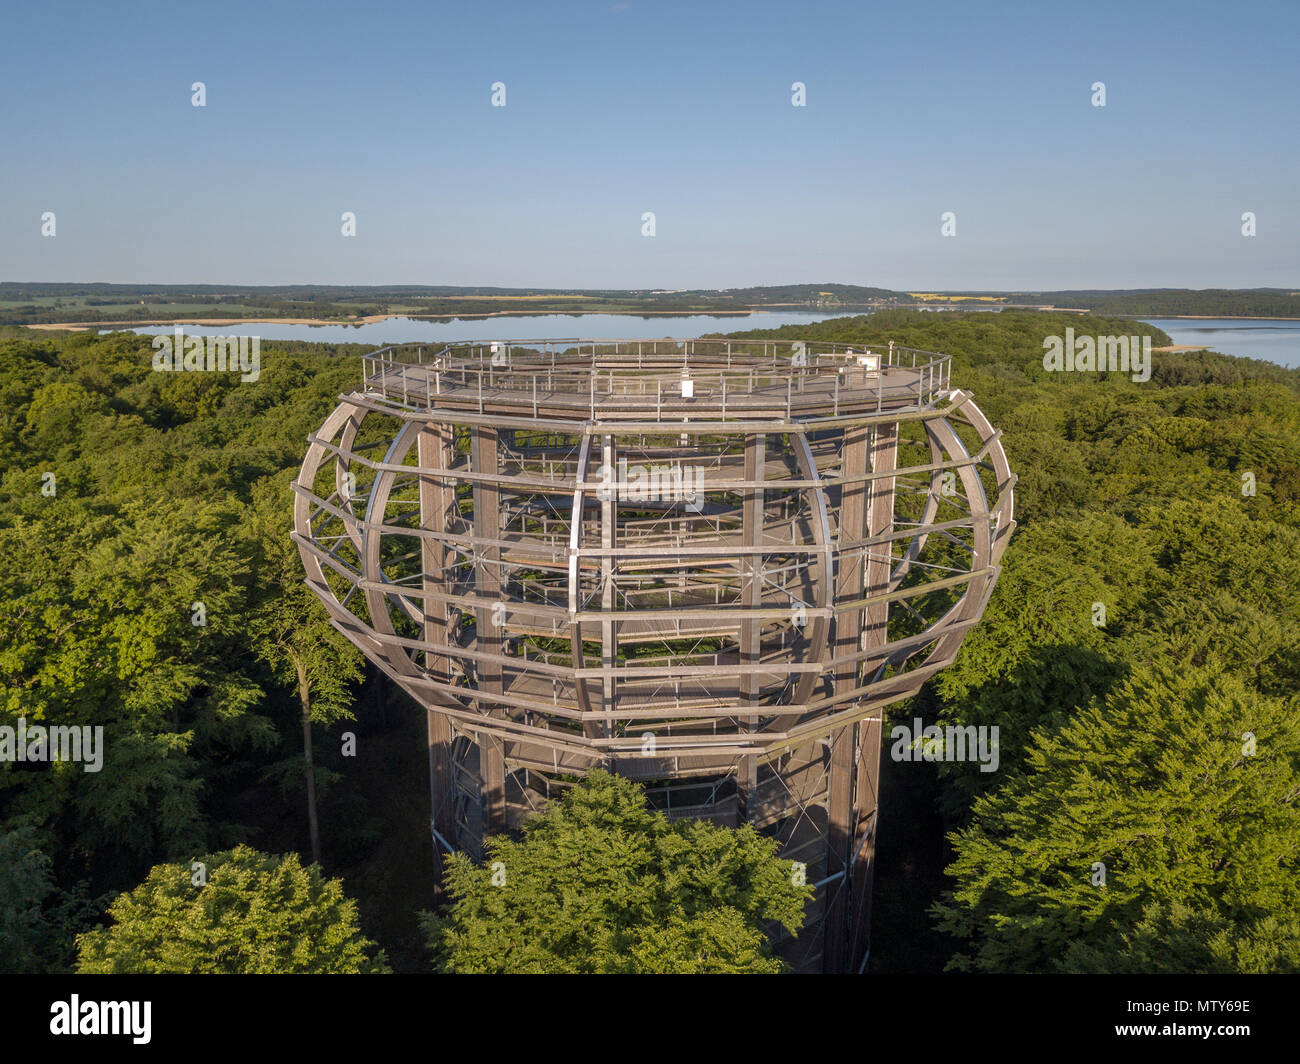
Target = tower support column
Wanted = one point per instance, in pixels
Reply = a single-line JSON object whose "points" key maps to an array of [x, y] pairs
{"points": [[875, 635], [484, 454], [435, 451], [849, 580]]}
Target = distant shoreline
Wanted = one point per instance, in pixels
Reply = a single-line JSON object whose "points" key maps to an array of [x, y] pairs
{"points": [[370, 319], [1207, 317], [82, 325]]}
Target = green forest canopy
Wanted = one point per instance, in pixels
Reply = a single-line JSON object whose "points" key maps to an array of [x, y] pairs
{"points": [[165, 489]]}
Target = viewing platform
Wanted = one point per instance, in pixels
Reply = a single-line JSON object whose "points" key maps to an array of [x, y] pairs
{"points": [[658, 380]]}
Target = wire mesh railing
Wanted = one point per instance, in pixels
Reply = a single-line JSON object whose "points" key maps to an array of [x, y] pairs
{"points": [[705, 372]]}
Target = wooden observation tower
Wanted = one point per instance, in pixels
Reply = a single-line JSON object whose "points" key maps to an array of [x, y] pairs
{"points": [[707, 565]]}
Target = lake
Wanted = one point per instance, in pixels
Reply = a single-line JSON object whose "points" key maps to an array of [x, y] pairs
{"points": [[1272, 339], [513, 327]]}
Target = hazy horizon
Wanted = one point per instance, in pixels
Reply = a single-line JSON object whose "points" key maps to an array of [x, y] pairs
{"points": [[683, 110], [597, 288]]}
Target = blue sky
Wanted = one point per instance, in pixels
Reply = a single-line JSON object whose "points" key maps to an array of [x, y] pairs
{"points": [[683, 109]]}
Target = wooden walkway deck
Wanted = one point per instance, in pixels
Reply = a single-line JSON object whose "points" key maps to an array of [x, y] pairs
{"points": [[629, 395]]}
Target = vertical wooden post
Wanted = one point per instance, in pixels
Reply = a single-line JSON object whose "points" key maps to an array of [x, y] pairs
{"points": [[434, 451], [875, 633], [484, 447], [751, 630], [849, 579], [608, 630]]}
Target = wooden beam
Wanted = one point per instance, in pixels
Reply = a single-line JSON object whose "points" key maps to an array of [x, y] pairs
{"points": [[484, 456], [433, 452], [847, 632], [751, 629], [875, 636]]}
